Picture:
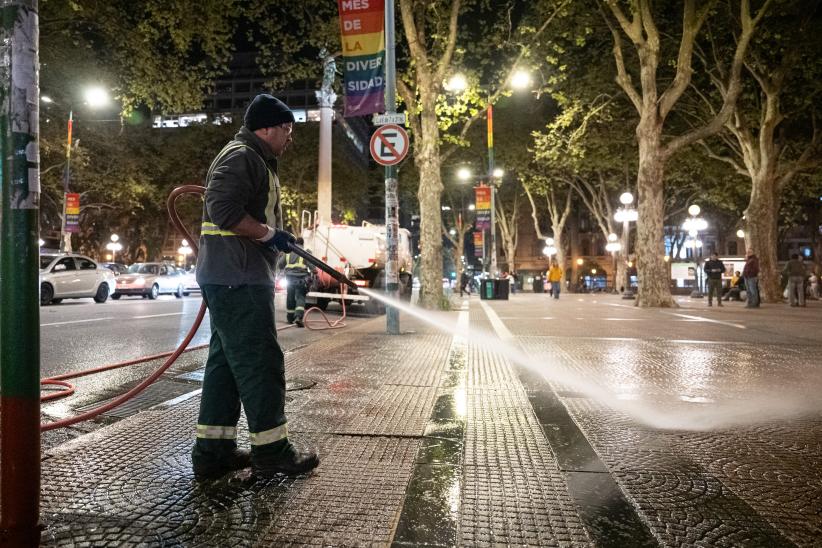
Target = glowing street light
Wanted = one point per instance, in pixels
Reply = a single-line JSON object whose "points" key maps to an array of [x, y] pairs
{"points": [[549, 251], [740, 233], [114, 246], [521, 79], [694, 225], [458, 82], [498, 173], [184, 251], [626, 215], [463, 174], [96, 96]]}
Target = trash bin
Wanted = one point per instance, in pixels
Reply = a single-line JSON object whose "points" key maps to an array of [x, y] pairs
{"points": [[494, 289], [502, 288], [487, 289], [539, 284]]}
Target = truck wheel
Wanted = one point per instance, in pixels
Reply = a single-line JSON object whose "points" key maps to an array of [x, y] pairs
{"points": [[322, 303]]}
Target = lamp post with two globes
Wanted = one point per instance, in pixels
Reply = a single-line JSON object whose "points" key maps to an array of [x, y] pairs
{"points": [[625, 215], [114, 246], [613, 246], [459, 83], [693, 225]]}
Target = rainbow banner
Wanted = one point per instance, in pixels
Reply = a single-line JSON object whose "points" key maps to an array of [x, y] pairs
{"points": [[482, 207], [362, 27], [72, 212], [479, 244]]}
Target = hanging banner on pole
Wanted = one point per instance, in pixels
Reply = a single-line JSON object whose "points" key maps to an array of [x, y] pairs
{"points": [[72, 212], [362, 27], [482, 206], [479, 244]]}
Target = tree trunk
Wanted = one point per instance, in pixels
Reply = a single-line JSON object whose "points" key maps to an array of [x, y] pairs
{"points": [[559, 238], [427, 158], [654, 286], [761, 235]]}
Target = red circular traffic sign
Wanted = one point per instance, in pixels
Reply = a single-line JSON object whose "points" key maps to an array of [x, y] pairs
{"points": [[389, 145]]}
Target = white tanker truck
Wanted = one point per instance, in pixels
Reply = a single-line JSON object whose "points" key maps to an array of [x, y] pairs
{"points": [[359, 252]]}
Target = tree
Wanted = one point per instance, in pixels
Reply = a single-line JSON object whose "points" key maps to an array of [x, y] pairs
{"points": [[507, 218], [655, 100], [773, 134]]}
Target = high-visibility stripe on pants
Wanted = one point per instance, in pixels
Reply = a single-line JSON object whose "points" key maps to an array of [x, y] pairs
{"points": [[269, 436], [211, 432]]}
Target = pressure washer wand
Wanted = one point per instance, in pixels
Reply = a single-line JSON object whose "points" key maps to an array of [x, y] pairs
{"points": [[336, 274]]}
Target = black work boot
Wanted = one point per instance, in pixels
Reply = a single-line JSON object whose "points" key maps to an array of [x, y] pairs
{"points": [[289, 318], [282, 458], [215, 465], [299, 322]]}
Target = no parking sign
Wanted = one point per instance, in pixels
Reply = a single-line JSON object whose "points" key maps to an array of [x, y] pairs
{"points": [[389, 145]]}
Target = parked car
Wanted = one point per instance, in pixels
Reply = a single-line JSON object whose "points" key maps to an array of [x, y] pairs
{"points": [[190, 281], [71, 276], [150, 280], [117, 268]]}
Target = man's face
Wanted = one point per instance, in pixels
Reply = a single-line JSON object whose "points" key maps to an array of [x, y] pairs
{"points": [[278, 138]]}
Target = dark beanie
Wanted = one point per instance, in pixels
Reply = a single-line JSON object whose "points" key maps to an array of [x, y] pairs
{"points": [[266, 111]]}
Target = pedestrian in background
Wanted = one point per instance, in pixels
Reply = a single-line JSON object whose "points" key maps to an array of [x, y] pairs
{"points": [[814, 282], [297, 277], [555, 278], [750, 272], [736, 287], [714, 268], [240, 240], [795, 271]]}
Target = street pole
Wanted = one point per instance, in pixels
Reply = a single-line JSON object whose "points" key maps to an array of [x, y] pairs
{"points": [[65, 237], [493, 239], [392, 222], [326, 98], [19, 262]]}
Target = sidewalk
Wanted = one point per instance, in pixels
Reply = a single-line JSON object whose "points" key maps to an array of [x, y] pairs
{"points": [[429, 439]]}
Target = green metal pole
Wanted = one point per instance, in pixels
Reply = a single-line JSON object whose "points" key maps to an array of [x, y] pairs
{"points": [[19, 258]]}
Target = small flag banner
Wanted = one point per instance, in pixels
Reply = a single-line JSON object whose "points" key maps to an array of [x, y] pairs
{"points": [[72, 212], [479, 244], [362, 27], [482, 206]]}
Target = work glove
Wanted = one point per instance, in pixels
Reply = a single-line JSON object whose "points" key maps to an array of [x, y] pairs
{"points": [[278, 240]]}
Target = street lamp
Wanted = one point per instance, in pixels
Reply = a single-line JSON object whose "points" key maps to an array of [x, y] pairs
{"points": [[114, 246], [694, 225], [94, 97], [740, 233], [185, 250], [625, 215], [459, 83], [613, 246]]}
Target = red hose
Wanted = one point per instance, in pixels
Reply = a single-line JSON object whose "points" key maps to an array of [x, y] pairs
{"points": [[336, 324]]}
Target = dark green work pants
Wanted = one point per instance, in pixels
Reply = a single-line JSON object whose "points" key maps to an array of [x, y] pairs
{"points": [[295, 297], [245, 364]]}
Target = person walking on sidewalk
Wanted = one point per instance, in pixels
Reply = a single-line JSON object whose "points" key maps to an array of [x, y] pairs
{"points": [[555, 278], [795, 271], [750, 273], [240, 239], [298, 278], [714, 268], [814, 281]]}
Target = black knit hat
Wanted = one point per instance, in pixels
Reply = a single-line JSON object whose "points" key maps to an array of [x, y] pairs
{"points": [[266, 111]]}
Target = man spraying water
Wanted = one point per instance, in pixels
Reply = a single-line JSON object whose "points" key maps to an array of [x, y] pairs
{"points": [[240, 240]]}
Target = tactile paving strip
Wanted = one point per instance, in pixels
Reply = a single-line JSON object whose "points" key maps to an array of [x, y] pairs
{"points": [[514, 491]]}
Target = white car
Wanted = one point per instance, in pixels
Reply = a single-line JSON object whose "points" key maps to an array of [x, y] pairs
{"points": [[150, 280], [70, 276]]}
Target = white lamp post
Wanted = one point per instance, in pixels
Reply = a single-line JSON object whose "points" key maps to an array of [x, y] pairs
{"points": [[612, 247], [184, 250], [694, 225], [114, 246], [625, 215]]}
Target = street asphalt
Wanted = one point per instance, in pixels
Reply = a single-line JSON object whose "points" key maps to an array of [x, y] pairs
{"points": [[577, 422]]}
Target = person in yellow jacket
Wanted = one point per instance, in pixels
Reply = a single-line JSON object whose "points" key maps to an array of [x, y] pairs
{"points": [[555, 278]]}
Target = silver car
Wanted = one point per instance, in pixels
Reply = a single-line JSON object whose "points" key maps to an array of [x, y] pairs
{"points": [[150, 280], [70, 276]]}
